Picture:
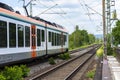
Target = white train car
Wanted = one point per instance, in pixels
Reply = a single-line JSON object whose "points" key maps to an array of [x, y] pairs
{"points": [[23, 38]]}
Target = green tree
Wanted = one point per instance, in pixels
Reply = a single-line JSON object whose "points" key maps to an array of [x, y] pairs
{"points": [[109, 48], [75, 38], [91, 38], [79, 38], [116, 33], [85, 37]]}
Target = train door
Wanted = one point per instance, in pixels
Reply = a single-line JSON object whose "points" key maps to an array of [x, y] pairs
{"points": [[33, 41]]}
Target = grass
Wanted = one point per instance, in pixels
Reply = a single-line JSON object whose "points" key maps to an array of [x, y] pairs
{"points": [[90, 74], [64, 56], [51, 61], [84, 46]]}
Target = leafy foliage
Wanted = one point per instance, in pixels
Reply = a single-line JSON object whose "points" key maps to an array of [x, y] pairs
{"points": [[109, 48], [65, 56], [25, 70], [116, 33], [91, 38], [100, 52], [2, 77], [51, 61], [79, 38], [13, 73], [90, 74]]}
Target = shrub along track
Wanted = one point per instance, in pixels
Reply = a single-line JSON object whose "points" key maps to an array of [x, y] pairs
{"points": [[60, 73]]}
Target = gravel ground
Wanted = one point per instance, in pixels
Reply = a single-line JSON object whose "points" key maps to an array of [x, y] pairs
{"points": [[44, 65], [41, 66], [62, 72], [91, 67]]}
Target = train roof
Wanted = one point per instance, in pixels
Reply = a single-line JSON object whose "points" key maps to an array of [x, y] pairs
{"points": [[5, 6], [48, 22], [9, 12]]}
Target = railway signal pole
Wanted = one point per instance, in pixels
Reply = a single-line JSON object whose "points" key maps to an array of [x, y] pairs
{"points": [[106, 6], [110, 5], [104, 28]]}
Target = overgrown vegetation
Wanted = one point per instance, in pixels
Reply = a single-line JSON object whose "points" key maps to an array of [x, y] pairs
{"points": [[14, 73], [64, 56], [115, 39], [99, 52], [51, 61], [25, 70], [90, 74], [116, 33], [2, 77], [80, 38]]}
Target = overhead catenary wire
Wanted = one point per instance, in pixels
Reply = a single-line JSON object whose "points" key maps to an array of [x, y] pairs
{"points": [[58, 7], [62, 11], [93, 10], [47, 10], [87, 10], [57, 14]]}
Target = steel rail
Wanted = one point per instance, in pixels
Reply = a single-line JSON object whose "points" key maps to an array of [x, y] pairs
{"points": [[75, 71], [56, 67]]}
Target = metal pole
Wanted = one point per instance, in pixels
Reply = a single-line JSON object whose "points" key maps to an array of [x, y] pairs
{"points": [[104, 28], [31, 9]]}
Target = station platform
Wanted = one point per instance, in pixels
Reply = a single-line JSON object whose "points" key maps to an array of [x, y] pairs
{"points": [[111, 69]]}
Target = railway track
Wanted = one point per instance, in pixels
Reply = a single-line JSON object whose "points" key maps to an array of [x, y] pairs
{"points": [[36, 61], [65, 70]]}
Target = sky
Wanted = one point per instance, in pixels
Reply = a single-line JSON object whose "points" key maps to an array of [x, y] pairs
{"points": [[67, 13]]}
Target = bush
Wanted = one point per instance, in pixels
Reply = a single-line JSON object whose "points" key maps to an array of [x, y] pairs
{"points": [[25, 70], [65, 56], [51, 61], [90, 74], [13, 73], [2, 77], [100, 52], [61, 56], [109, 50]]}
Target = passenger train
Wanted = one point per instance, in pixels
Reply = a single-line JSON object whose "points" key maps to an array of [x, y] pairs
{"points": [[23, 38]]}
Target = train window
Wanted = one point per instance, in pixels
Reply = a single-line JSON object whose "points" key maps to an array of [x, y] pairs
{"points": [[20, 35], [55, 39], [50, 35], [58, 39], [43, 35], [62, 40], [12, 35], [27, 36], [3, 34], [52, 38], [65, 38], [38, 38]]}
